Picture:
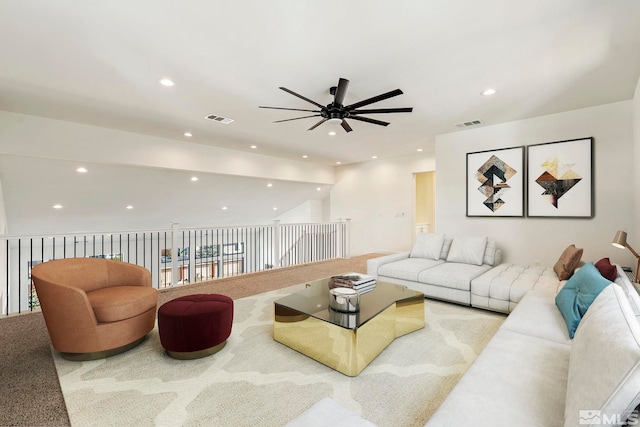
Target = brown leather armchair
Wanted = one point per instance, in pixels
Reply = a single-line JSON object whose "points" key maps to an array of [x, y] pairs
{"points": [[95, 308]]}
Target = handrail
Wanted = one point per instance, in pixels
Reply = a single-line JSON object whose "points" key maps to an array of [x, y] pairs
{"points": [[175, 255]]}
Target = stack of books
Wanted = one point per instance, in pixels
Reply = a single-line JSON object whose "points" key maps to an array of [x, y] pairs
{"points": [[362, 283]]}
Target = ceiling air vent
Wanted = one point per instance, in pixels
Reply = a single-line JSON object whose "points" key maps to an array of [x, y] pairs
{"points": [[220, 119], [470, 123]]}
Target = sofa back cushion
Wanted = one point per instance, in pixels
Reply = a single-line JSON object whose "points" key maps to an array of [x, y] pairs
{"points": [[604, 365], [468, 250], [492, 255], [624, 282], [428, 246]]}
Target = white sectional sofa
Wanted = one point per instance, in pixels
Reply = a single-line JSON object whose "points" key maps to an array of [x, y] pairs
{"points": [[532, 374], [462, 269]]}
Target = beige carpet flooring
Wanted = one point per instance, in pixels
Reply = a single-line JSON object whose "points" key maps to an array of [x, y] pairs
{"points": [[30, 394], [256, 381], [241, 376]]}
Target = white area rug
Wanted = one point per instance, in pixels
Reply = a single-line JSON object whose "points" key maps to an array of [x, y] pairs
{"points": [[255, 381]]}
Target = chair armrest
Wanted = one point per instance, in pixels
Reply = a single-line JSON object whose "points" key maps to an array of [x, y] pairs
{"points": [[374, 264], [64, 306]]}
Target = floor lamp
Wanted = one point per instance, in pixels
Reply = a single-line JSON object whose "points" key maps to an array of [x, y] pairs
{"points": [[620, 241]]}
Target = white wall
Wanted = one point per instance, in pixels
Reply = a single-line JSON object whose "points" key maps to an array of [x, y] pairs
{"points": [[42, 137], [307, 212], [379, 197], [526, 240], [636, 161]]}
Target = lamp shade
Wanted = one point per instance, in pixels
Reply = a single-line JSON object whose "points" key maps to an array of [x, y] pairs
{"points": [[620, 241]]}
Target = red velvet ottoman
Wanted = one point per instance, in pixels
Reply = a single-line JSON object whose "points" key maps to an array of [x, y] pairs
{"points": [[195, 326]]}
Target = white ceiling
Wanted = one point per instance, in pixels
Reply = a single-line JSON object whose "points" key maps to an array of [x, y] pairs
{"points": [[99, 63]]}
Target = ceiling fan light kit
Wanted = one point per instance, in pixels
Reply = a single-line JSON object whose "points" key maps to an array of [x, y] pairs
{"points": [[336, 112]]}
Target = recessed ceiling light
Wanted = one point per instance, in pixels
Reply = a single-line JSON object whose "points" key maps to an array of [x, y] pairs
{"points": [[129, 207], [332, 133], [194, 178], [488, 92], [224, 208], [167, 82], [275, 209], [269, 185], [318, 189], [188, 134], [81, 170], [305, 156], [338, 163], [254, 147], [374, 157], [419, 150], [57, 206]]}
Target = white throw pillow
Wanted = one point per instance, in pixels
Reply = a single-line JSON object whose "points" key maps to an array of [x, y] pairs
{"points": [[604, 365], [490, 253], [468, 249], [428, 245]]}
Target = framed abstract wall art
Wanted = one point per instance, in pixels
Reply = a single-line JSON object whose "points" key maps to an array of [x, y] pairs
{"points": [[560, 179], [495, 183]]}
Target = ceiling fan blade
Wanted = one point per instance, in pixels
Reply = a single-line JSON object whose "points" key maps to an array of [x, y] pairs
{"points": [[290, 109], [382, 110], [346, 126], [301, 97], [341, 91], [296, 118], [368, 120], [374, 99], [318, 124]]}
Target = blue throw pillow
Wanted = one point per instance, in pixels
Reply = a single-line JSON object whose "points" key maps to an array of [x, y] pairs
{"points": [[578, 293]]}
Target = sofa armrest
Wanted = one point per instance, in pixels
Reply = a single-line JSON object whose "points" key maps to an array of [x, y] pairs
{"points": [[374, 264]]}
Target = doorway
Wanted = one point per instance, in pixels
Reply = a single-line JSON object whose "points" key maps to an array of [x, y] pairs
{"points": [[425, 202]]}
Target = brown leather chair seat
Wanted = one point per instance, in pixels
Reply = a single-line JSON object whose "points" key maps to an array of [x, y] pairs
{"points": [[121, 302]]}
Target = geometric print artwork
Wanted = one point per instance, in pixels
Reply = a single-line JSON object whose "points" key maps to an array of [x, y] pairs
{"points": [[557, 179], [493, 175]]}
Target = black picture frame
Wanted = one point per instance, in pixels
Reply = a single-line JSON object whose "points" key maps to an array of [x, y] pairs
{"points": [[495, 183], [560, 179]]}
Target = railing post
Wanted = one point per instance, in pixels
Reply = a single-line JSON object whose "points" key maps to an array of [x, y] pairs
{"points": [[276, 243], [174, 253], [347, 238]]}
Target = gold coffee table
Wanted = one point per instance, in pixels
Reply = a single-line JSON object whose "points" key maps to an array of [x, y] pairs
{"points": [[346, 342]]}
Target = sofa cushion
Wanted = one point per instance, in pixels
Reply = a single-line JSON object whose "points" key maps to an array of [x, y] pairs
{"points": [[517, 380], [121, 302], [468, 250], [490, 253], [452, 275], [537, 315], [428, 245], [578, 293], [510, 282], [604, 367], [446, 246], [606, 269], [407, 269], [567, 262], [623, 281]]}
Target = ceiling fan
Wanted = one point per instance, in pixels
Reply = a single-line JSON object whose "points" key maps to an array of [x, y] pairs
{"points": [[337, 113]]}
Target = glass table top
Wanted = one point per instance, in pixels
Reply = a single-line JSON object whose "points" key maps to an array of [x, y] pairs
{"points": [[313, 301]]}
